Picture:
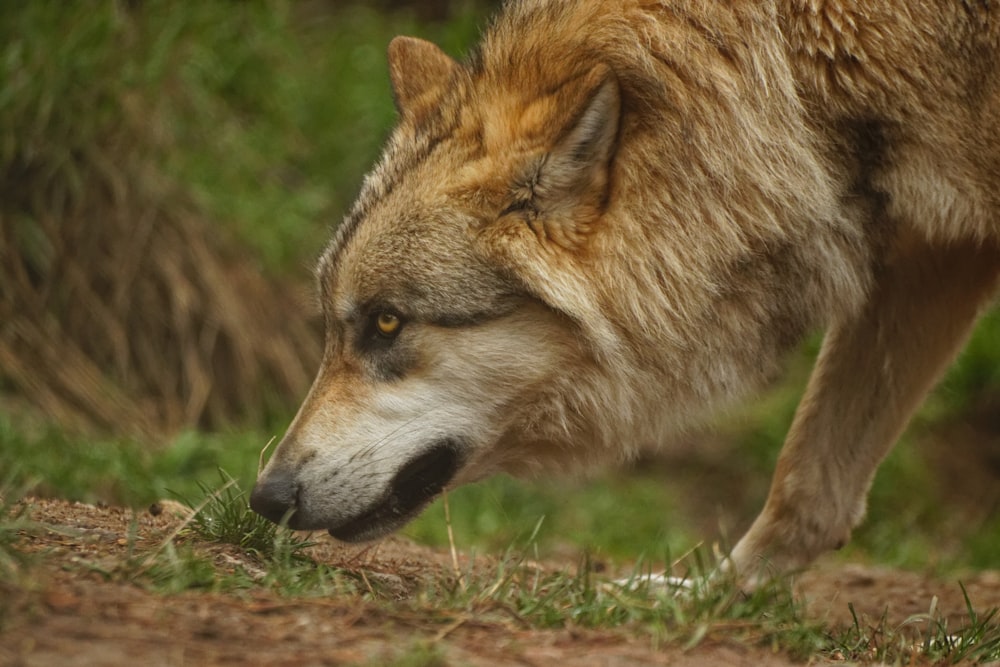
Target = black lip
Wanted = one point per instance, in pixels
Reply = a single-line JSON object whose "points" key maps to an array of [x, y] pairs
{"points": [[413, 487]]}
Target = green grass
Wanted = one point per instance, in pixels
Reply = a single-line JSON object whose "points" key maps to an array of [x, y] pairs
{"points": [[511, 587], [922, 638], [515, 589], [974, 376], [120, 470], [712, 608], [418, 654], [13, 523], [265, 113], [578, 598], [268, 114], [287, 111], [604, 515]]}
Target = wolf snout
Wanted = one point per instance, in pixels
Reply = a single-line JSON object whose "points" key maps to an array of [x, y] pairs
{"points": [[275, 496], [360, 506]]}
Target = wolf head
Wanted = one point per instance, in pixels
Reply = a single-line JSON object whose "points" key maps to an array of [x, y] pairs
{"points": [[581, 237], [446, 359]]}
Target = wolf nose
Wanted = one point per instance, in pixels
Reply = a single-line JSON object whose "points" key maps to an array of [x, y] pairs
{"points": [[275, 496]]}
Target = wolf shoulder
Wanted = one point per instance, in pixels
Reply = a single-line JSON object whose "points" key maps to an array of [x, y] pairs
{"points": [[908, 95]]}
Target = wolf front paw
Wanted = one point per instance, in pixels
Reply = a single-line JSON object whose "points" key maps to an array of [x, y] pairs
{"points": [[779, 544]]}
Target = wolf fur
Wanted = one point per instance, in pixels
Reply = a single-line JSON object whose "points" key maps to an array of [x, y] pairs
{"points": [[615, 217]]}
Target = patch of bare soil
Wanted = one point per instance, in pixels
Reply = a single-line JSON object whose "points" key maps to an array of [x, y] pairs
{"points": [[71, 608]]}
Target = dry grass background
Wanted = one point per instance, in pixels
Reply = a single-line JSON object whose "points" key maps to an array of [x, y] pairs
{"points": [[123, 309], [123, 306]]}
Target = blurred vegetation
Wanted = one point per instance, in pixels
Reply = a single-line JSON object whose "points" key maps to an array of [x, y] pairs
{"points": [[292, 103], [257, 121], [165, 171]]}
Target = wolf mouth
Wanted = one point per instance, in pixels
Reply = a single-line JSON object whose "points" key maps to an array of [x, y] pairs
{"points": [[413, 487]]}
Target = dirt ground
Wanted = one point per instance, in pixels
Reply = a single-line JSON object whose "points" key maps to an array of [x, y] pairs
{"points": [[71, 609]]}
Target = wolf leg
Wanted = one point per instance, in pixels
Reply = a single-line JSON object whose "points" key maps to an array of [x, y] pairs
{"points": [[872, 373]]}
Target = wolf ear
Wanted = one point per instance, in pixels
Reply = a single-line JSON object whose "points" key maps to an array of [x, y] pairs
{"points": [[420, 73], [572, 183]]}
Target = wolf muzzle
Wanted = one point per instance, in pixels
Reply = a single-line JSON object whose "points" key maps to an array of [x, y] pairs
{"points": [[277, 496]]}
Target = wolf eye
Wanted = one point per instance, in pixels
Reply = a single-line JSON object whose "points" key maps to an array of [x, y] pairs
{"points": [[387, 324]]}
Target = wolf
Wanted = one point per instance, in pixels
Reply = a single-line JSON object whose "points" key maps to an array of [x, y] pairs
{"points": [[614, 218]]}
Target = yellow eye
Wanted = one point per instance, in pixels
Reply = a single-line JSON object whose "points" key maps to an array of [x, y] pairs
{"points": [[387, 324]]}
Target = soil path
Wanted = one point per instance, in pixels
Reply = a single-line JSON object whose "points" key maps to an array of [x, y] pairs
{"points": [[70, 608]]}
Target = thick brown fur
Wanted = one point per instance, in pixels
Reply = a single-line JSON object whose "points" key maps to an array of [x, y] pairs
{"points": [[617, 216]]}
